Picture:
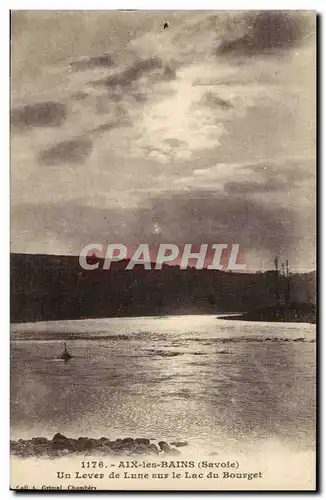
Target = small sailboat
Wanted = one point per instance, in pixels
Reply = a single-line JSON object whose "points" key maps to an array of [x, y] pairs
{"points": [[65, 355]]}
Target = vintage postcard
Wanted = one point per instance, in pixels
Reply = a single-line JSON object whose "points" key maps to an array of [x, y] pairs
{"points": [[163, 270]]}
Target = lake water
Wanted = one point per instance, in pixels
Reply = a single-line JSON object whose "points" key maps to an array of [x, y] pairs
{"points": [[219, 384]]}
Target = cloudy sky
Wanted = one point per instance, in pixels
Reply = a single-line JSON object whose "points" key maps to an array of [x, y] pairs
{"points": [[204, 132]]}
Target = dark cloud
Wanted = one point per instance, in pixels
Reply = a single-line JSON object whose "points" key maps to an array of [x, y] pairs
{"points": [[106, 127], [274, 178], [267, 30], [79, 95], [212, 100], [289, 173], [202, 216], [85, 63], [128, 76], [197, 217], [121, 120], [72, 151], [169, 72], [43, 114], [140, 97], [247, 187], [115, 97]]}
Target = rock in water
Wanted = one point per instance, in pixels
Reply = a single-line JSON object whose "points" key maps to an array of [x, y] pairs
{"points": [[164, 446], [142, 441], [153, 449], [61, 445], [83, 444], [127, 440], [105, 441], [142, 449], [60, 442], [58, 436], [179, 444], [39, 440]]}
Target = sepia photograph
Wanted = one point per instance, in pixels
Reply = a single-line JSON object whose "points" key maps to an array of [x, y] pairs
{"points": [[163, 250]]}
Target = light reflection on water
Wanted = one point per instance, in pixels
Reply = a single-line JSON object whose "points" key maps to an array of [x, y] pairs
{"points": [[212, 382]]}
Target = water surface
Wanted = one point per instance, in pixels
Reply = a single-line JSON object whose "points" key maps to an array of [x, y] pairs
{"points": [[216, 383]]}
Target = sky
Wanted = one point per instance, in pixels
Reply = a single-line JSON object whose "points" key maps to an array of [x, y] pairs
{"points": [[204, 132]]}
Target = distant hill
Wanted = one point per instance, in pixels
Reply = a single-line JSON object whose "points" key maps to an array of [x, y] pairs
{"points": [[52, 287]]}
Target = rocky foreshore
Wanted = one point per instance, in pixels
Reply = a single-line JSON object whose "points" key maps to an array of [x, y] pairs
{"points": [[61, 445]]}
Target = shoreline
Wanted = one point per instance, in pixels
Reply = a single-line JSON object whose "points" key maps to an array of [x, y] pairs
{"points": [[61, 445], [285, 313]]}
